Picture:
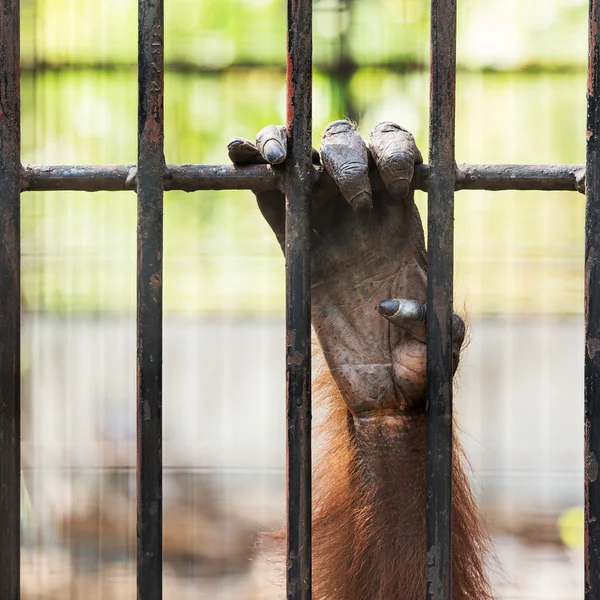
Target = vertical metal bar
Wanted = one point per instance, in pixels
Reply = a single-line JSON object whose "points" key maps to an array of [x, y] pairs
{"points": [[10, 348], [592, 312], [440, 255], [150, 172], [297, 255]]}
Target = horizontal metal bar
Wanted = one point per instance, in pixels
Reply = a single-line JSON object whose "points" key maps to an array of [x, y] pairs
{"points": [[396, 66], [113, 178], [191, 178]]}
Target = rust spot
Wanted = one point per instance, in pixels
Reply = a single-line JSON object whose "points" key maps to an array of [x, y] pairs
{"points": [[291, 91], [295, 358], [588, 135], [155, 280], [290, 338]]}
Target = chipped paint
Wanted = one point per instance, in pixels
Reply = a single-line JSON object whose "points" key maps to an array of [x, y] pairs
{"points": [[592, 345], [591, 467]]}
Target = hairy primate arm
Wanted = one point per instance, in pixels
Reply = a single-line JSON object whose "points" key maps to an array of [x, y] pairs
{"points": [[369, 510], [369, 282]]}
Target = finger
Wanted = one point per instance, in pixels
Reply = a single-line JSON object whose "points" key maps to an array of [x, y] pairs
{"points": [[243, 152], [344, 156], [395, 154], [271, 142], [411, 315]]}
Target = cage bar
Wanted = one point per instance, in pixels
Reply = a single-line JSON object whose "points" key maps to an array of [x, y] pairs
{"points": [[150, 181], [10, 301], [259, 178], [440, 256], [297, 274], [592, 313]]}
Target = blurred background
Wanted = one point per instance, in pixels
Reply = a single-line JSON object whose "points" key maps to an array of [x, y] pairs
{"points": [[519, 277]]}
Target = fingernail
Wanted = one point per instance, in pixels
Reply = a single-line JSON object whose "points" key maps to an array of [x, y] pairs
{"points": [[399, 189], [234, 143], [273, 151], [403, 311], [388, 308], [412, 310]]}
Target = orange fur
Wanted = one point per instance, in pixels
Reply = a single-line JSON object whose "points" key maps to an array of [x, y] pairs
{"points": [[369, 509]]}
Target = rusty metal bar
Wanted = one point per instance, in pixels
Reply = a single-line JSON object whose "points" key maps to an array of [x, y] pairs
{"points": [[297, 278], [191, 178], [81, 178], [440, 258], [10, 302], [592, 313], [150, 182], [518, 177]]}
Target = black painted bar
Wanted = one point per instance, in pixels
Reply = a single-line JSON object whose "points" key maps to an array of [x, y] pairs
{"points": [[440, 257], [10, 256], [150, 181], [297, 271], [592, 313], [191, 178]]}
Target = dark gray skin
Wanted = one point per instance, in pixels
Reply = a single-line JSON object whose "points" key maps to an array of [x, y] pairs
{"points": [[369, 264]]}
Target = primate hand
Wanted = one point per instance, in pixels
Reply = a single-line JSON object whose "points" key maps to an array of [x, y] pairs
{"points": [[369, 264]]}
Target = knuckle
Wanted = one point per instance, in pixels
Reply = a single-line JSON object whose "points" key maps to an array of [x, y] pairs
{"points": [[397, 162], [235, 142], [393, 144], [389, 127], [339, 126], [351, 169], [271, 131], [459, 328]]}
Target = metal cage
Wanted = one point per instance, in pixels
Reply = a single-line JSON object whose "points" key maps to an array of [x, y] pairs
{"points": [[151, 177]]}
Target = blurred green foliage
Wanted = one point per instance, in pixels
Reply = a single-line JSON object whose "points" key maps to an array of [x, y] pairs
{"points": [[516, 252], [219, 33]]}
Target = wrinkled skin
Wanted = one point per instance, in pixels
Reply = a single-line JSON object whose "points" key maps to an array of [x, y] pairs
{"points": [[368, 252]]}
